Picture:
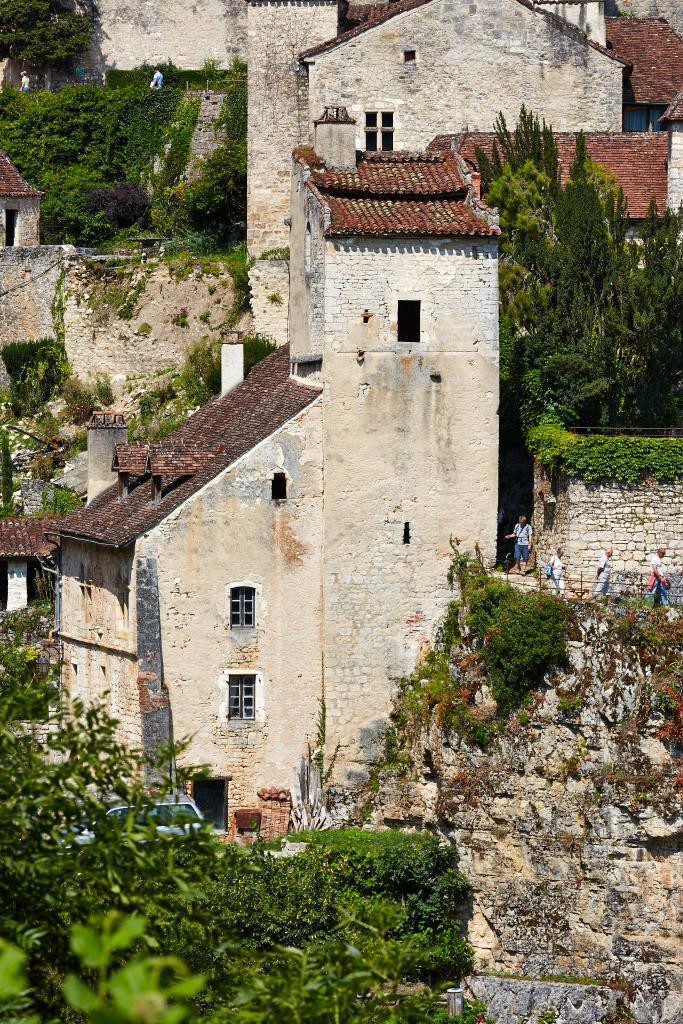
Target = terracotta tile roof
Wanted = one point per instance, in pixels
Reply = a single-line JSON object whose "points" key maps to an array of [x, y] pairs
{"points": [[674, 112], [379, 13], [638, 160], [12, 184], [130, 458], [396, 174], [171, 461], [654, 50], [223, 430], [398, 194], [24, 537]]}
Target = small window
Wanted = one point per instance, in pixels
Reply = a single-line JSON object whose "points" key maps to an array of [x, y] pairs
{"points": [[643, 119], [409, 321], [409, 56], [10, 227], [242, 607], [406, 533], [379, 130], [278, 487], [242, 697]]}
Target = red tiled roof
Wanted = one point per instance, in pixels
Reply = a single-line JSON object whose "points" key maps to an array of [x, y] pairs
{"points": [[12, 184], [655, 51], [398, 194], [395, 174], [177, 460], [380, 13], [130, 458], [638, 160], [674, 112], [223, 430], [24, 537]]}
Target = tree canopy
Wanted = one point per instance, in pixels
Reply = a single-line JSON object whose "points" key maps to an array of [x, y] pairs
{"points": [[43, 31]]}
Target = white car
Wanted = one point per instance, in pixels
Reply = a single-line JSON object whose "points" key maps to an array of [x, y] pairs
{"points": [[171, 816]]}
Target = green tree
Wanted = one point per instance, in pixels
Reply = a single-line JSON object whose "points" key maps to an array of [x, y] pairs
{"points": [[7, 471], [43, 31]]}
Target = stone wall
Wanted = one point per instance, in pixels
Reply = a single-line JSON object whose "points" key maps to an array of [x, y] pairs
{"points": [[674, 196], [204, 139], [27, 230], [513, 1001], [278, 107], [569, 825], [269, 284], [585, 517]]}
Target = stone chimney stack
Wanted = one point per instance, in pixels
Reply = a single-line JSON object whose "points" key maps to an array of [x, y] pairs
{"points": [[105, 431], [588, 16], [673, 119], [335, 138], [232, 364]]}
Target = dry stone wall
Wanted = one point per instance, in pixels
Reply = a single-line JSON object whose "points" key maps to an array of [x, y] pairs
{"points": [[584, 517], [513, 1001], [269, 284], [569, 826]]}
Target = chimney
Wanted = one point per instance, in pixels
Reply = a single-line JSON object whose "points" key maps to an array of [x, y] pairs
{"points": [[105, 431], [232, 364], [673, 119], [335, 138]]}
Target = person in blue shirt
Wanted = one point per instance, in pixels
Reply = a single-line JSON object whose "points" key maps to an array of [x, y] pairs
{"points": [[157, 80]]}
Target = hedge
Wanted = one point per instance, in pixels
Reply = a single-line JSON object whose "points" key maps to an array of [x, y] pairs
{"points": [[621, 457], [118, 78]]}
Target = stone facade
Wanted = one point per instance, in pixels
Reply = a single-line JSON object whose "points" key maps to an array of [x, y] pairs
{"points": [[27, 221], [585, 517], [674, 197], [512, 1001], [269, 284], [277, 32], [448, 87], [569, 826]]}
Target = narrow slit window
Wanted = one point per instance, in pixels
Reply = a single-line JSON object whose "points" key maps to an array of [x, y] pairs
{"points": [[242, 608], [406, 533], [242, 698], [409, 321], [278, 491]]}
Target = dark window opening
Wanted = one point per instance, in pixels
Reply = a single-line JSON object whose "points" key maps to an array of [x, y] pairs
{"points": [[643, 118], [409, 320], [379, 130], [211, 796], [10, 226], [409, 56], [278, 490], [435, 378], [242, 697], [242, 607], [406, 533]]}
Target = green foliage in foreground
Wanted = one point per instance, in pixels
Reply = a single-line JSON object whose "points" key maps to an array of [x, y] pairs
{"points": [[132, 928], [43, 31], [628, 459]]}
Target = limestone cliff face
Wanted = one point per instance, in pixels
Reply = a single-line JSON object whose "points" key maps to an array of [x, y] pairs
{"points": [[570, 825]]}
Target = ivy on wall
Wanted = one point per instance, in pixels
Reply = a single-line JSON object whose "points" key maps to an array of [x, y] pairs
{"points": [[590, 457]]}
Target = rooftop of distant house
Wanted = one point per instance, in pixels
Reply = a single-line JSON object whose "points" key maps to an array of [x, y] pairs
{"points": [[654, 49], [398, 194], [638, 160], [207, 443], [361, 18], [12, 185], [24, 537]]}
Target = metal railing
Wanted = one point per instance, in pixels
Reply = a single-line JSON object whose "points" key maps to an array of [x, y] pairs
{"points": [[581, 585]]}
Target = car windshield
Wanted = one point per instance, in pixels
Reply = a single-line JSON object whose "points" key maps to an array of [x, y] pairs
{"points": [[165, 814]]}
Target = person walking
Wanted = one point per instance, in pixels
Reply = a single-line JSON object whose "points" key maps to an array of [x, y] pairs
{"points": [[556, 572], [658, 585], [25, 83], [157, 80], [523, 538], [604, 572]]}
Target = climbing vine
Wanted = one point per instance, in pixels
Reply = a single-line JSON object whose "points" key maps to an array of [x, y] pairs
{"points": [[625, 458]]}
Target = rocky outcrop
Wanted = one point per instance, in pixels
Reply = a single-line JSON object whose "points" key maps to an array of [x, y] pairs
{"points": [[515, 1001], [570, 824]]}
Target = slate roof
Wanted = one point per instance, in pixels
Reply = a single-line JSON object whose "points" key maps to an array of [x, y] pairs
{"points": [[399, 194], [12, 185], [219, 433], [24, 537], [654, 50], [638, 160], [380, 13]]}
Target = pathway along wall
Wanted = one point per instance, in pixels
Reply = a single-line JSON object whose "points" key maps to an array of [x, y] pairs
{"points": [[584, 517]]}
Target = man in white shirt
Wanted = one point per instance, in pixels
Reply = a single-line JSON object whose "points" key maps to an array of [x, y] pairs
{"points": [[658, 584], [604, 573], [556, 566], [522, 535]]}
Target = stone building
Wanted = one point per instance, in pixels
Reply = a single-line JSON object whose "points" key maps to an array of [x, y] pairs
{"points": [[291, 539], [19, 207], [23, 547]]}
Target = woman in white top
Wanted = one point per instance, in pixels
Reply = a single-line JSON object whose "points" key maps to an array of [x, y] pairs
{"points": [[557, 572]]}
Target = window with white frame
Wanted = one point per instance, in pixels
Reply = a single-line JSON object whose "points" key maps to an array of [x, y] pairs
{"points": [[242, 607], [241, 697], [379, 130]]}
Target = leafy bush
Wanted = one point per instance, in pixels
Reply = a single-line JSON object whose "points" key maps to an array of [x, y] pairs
{"points": [[7, 474], [36, 370], [43, 31], [522, 636], [256, 348], [62, 501], [201, 373], [598, 457], [123, 205], [82, 401]]}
